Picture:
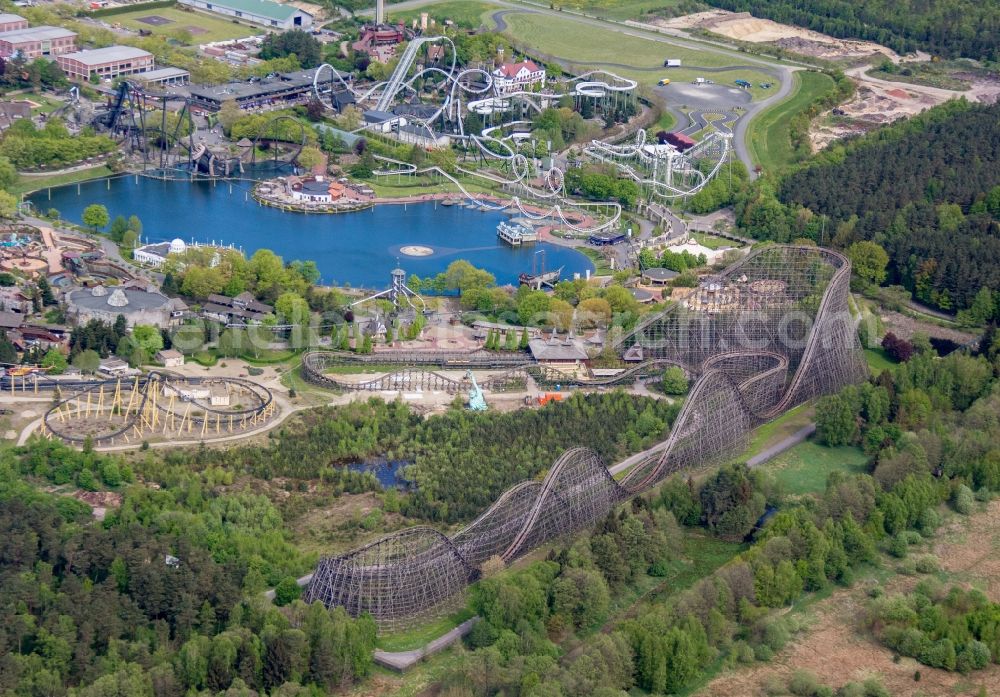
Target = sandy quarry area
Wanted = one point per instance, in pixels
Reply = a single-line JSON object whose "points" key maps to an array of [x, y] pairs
{"points": [[873, 105], [878, 102], [743, 26]]}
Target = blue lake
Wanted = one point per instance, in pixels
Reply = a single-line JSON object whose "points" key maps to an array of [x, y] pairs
{"points": [[357, 248]]}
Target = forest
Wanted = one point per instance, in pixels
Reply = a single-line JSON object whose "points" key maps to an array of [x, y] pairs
{"points": [[28, 147], [487, 453], [925, 190], [931, 429], [162, 599], [952, 29]]}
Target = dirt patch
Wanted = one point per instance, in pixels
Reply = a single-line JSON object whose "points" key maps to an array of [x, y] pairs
{"points": [[837, 648], [904, 326], [743, 26], [195, 31], [873, 105], [973, 554], [984, 89]]}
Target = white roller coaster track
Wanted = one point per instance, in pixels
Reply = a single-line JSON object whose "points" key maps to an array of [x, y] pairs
{"points": [[665, 165], [475, 82], [555, 211]]}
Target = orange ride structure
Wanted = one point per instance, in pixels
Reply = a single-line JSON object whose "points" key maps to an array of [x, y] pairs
{"points": [[770, 332]]}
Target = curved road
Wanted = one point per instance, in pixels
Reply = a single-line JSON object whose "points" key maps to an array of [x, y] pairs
{"points": [[695, 121], [784, 72]]}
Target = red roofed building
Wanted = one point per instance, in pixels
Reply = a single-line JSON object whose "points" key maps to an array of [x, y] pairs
{"points": [[379, 41], [518, 77], [680, 141]]}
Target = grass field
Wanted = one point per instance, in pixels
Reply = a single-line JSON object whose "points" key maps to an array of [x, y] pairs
{"points": [[878, 360], [464, 13], [26, 185], [200, 28], [785, 425], [601, 265], [768, 135], [418, 636], [590, 46], [618, 9], [804, 469], [711, 241]]}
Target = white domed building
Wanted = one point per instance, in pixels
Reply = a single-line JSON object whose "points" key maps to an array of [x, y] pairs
{"points": [[156, 254]]}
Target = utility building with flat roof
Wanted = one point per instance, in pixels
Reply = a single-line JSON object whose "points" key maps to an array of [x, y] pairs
{"points": [[105, 62], [10, 22], [35, 42], [284, 88], [262, 12]]}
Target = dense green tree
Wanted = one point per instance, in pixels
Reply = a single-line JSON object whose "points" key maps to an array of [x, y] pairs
{"points": [[869, 261], [95, 216], [675, 381], [295, 41]]}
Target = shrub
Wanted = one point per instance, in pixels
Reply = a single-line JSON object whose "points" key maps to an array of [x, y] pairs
{"points": [[898, 546], [927, 564], [803, 683], [286, 591], [963, 500]]}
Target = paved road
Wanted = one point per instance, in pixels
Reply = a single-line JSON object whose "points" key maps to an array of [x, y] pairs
{"points": [[758, 459], [783, 445], [783, 73], [401, 660]]}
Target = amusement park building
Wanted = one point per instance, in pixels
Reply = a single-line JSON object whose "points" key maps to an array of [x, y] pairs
{"points": [[36, 42], [136, 305], [518, 77], [164, 77], [379, 41], [315, 189], [285, 87], [105, 62], [156, 254], [262, 12], [554, 352]]}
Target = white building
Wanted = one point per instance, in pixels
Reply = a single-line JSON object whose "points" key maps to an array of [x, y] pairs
{"points": [[518, 77], [155, 255], [170, 358], [261, 12]]}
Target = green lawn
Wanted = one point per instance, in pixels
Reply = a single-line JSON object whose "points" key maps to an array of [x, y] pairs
{"points": [[416, 637], [186, 26], [601, 266], [878, 360], [665, 123], [768, 135], [408, 185], [780, 428], [26, 185], [711, 241], [804, 469], [618, 9], [592, 46], [464, 13]]}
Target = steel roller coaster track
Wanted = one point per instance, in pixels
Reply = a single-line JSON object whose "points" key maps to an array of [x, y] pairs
{"points": [[770, 332], [666, 177]]}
